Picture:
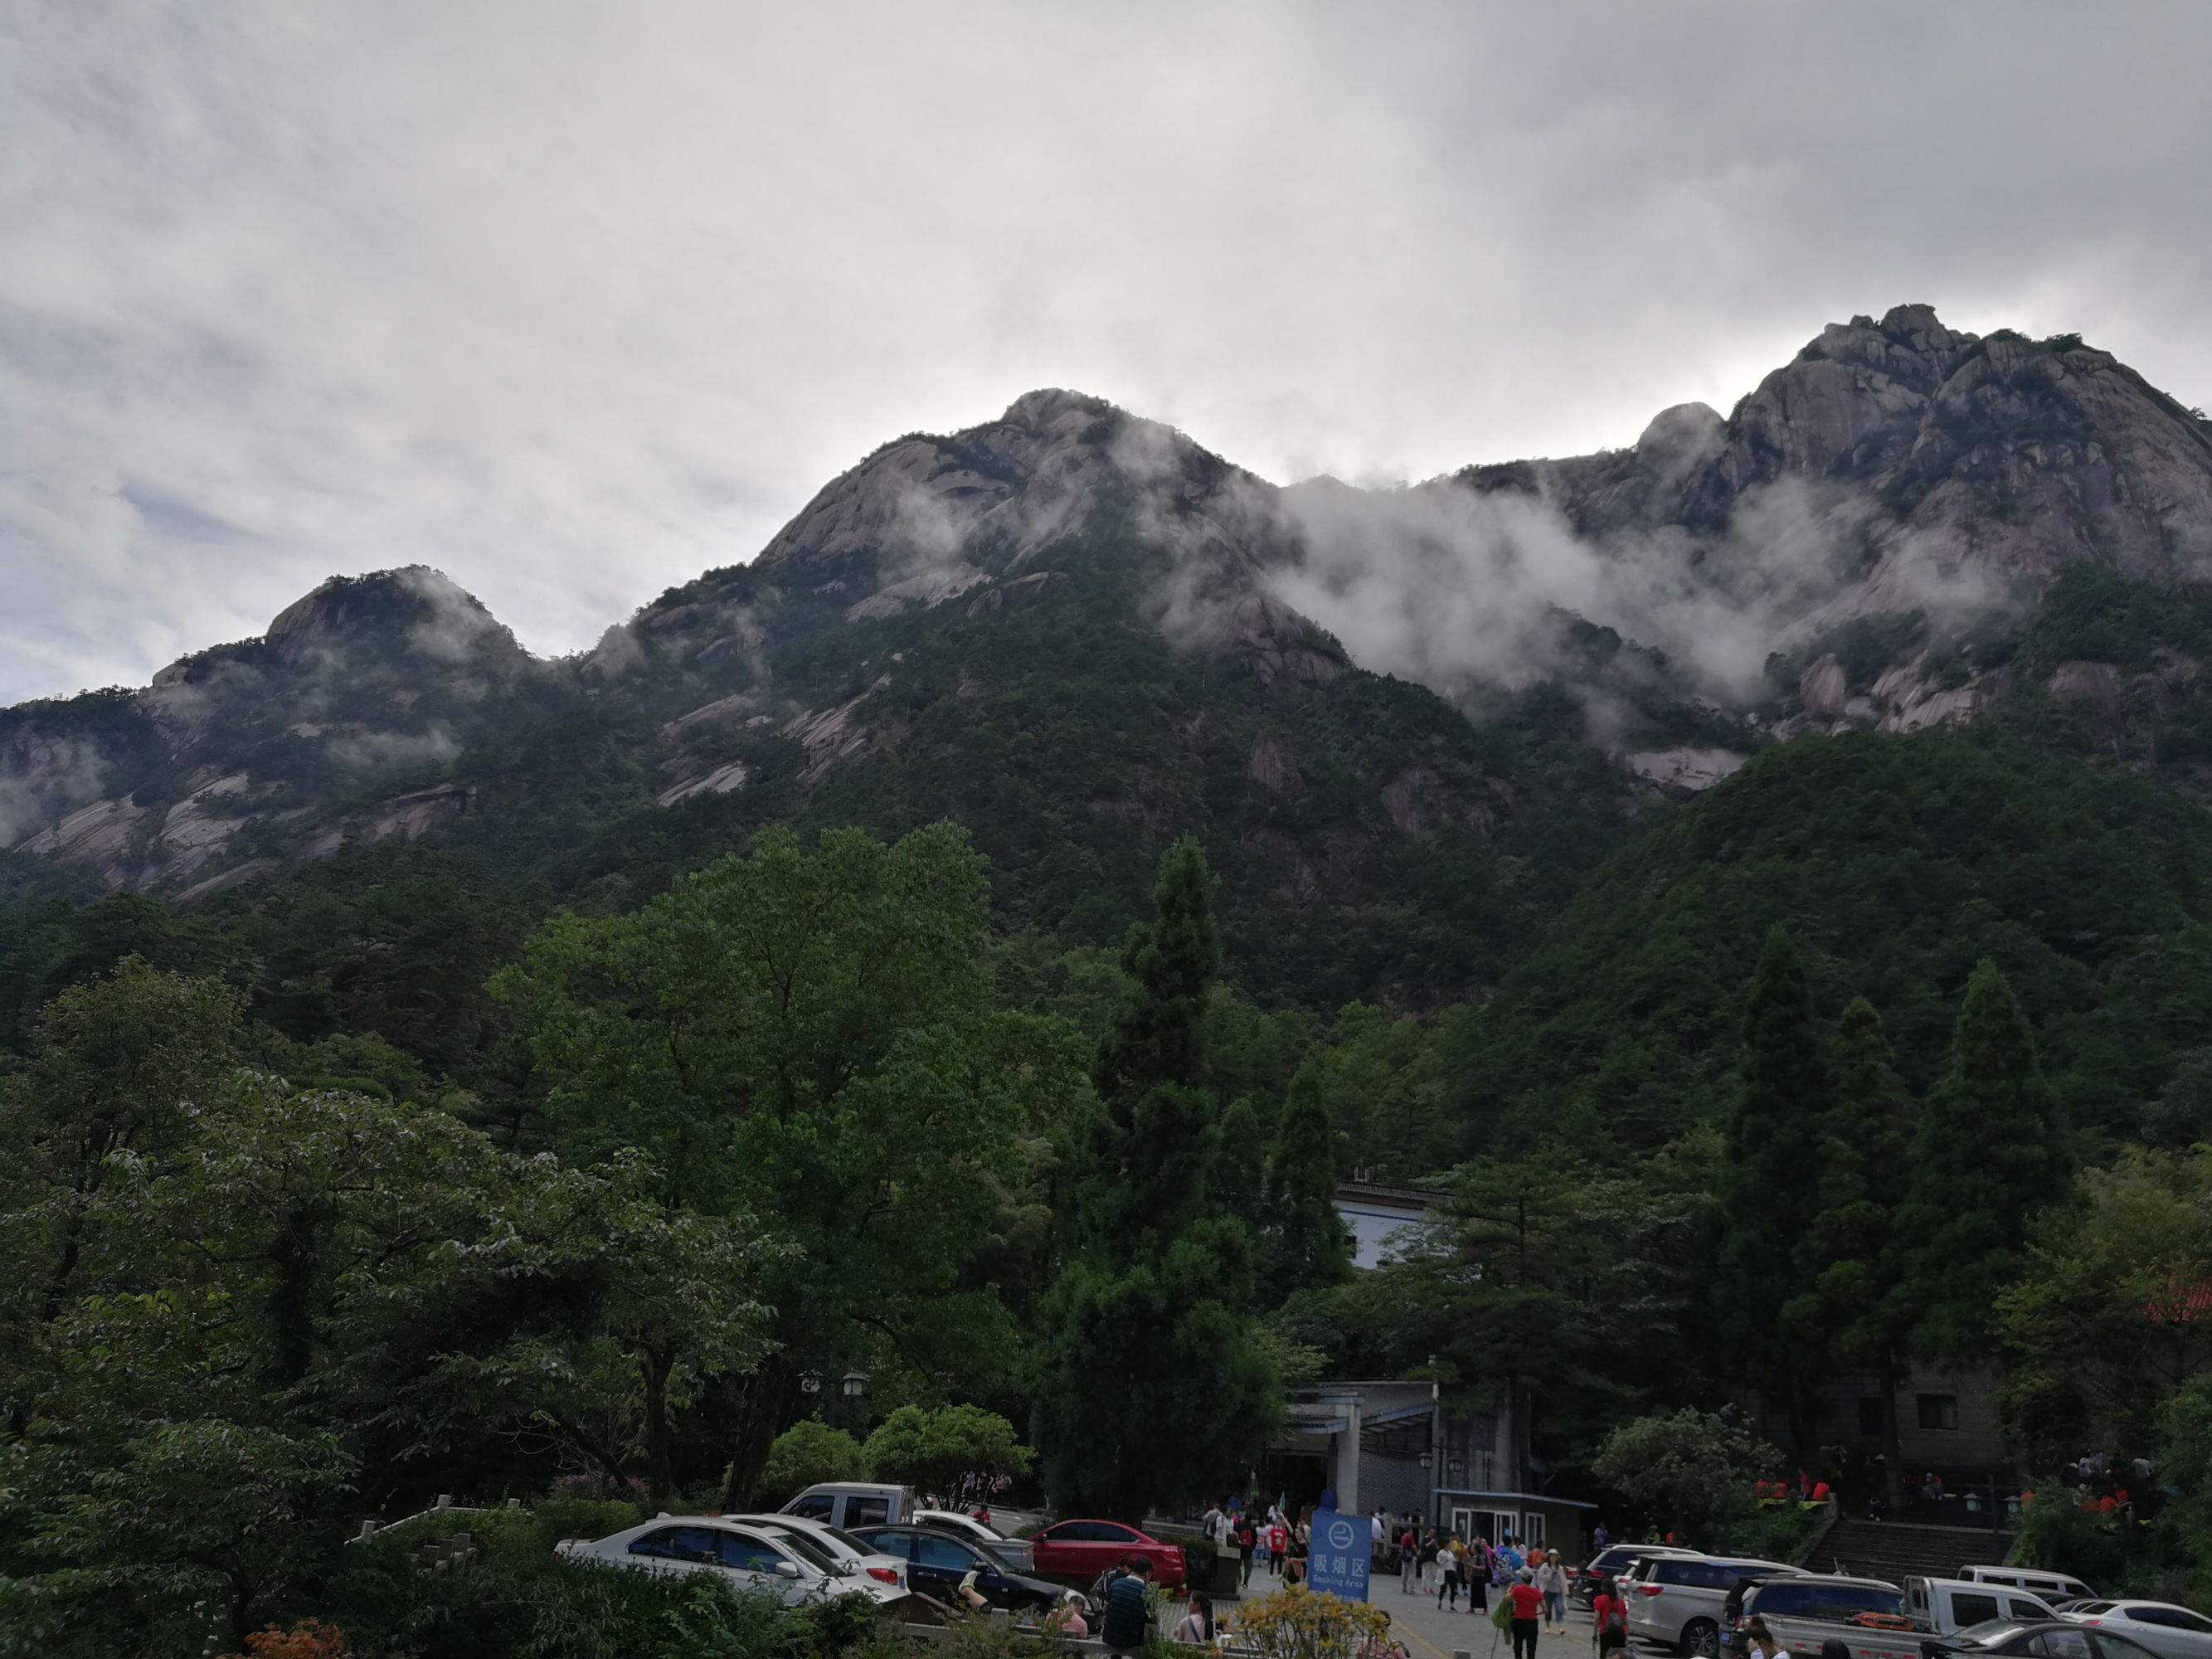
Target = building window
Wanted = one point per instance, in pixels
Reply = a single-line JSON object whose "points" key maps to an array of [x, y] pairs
{"points": [[1938, 1410], [1870, 1413]]}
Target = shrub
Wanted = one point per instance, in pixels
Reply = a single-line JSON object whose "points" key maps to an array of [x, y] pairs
{"points": [[1299, 1623], [809, 1452]]}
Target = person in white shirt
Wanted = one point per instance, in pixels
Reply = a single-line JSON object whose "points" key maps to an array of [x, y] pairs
{"points": [[1196, 1628]]}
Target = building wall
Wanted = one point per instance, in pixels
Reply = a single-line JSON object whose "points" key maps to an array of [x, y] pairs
{"points": [[1379, 1232], [1400, 1485], [1975, 1445]]}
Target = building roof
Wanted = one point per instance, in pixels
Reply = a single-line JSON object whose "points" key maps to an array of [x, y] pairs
{"points": [[1518, 1496]]}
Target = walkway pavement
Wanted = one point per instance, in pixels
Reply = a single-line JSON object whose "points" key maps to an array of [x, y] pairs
{"points": [[1433, 1632]]}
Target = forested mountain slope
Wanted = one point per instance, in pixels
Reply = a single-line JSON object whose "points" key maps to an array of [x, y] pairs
{"points": [[1897, 863]]}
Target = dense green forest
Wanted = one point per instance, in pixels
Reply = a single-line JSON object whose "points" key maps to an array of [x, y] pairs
{"points": [[404, 1174]]}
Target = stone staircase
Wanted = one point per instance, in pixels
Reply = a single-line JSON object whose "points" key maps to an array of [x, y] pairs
{"points": [[1894, 1550]]}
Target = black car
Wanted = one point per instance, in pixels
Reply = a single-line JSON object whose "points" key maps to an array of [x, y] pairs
{"points": [[2038, 1639], [937, 1562]]}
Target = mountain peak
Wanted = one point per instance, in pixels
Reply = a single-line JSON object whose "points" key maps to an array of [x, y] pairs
{"points": [[1049, 406]]}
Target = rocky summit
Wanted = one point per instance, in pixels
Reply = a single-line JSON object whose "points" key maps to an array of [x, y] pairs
{"points": [[1077, 630]]}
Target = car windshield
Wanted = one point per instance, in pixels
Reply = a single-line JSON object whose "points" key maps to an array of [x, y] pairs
{"points": [[857, 1546], [800, 1544]]}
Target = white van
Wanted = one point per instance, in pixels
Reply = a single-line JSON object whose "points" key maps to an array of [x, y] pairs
{"points": [[851, 1503], [2052, 1587], [1936, 1607]]}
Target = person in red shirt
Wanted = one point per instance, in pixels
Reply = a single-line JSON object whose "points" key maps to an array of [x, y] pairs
{"points": [[1609, 1618], [1528, 1609]]}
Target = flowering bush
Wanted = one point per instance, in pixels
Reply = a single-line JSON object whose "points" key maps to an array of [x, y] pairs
{"points": [[311, 1638], [1299, 1623]]}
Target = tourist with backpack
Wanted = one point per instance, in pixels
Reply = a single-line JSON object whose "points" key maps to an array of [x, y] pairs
{"points": [[1527, 1605], [1609, 1618]]}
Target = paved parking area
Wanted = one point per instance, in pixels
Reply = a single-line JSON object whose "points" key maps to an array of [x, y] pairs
{"points": [[1433, 1632]]}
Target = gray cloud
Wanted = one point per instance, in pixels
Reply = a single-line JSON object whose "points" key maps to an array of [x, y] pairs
{"points": [[575, 302]]}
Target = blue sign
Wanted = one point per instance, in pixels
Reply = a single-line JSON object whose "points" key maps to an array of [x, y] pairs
{"points": [[1337, 1559]]}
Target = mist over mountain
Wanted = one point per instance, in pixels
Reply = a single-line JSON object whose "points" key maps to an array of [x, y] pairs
{"points": [[1077, 631]]}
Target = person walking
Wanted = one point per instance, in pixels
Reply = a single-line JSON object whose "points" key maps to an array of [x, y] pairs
{"points": [[1551, 1579], [1409, 1559], [1609, 1618], [1247, 1537], [1527, 1602], [1480, 1567], [1448, 1573], [1279, 1547], [1121, 1626]]}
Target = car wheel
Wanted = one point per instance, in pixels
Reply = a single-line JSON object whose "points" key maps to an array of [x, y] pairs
{"points": [[1702, 1637]]}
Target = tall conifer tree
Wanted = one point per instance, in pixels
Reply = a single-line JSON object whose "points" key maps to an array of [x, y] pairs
{"points": [[1770, 1171], [1852, 1252], [1306, 1239], [1153, 1388], [1989, 1152]]}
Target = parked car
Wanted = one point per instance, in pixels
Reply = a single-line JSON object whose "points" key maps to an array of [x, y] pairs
{"points": [[755, 1558], [2052, 1587], [1077, 1552], [1806, 1609], [1676, 1601], [1583, 1582], [1013, 1551], [2039, 1637], [843, 1546], [936, 1562], [1938, 1606], [2169, 1629], [853, 1504]]}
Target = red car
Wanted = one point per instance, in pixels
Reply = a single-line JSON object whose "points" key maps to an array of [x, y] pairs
{"points": [[1078, 1551]]}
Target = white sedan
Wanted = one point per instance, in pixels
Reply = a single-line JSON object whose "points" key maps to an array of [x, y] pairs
{"points": [[851, 1553], [2168, 1630], [782, 1564]]}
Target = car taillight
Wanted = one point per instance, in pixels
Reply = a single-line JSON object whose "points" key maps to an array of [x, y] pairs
{"points": [[886, 1575], [1650, 1590]]}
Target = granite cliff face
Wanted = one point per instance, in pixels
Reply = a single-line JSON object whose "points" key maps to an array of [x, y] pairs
{"points": [[1862, 543]]}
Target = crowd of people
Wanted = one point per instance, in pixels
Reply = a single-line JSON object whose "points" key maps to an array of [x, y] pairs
{"points": [[1523, 1588]]}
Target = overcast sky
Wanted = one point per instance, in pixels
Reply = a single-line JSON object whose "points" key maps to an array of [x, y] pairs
{"points": [[573, 302]]}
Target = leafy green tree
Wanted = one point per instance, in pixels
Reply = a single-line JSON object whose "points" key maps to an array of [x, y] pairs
{"points": [[932, 1447], [1852, 1254], [1761, 1286], [1696, 1467], [1153, 1385], [808, 1452], [804, 1034], [118, 1066], [2100, 1332], [1541, 1282], [1988, 1153], [1305, 1239]]}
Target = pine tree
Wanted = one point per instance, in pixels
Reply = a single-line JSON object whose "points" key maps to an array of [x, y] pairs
{"points": [[1852, 1253], [1989, 1151], [1771, 1163], [1237, 1163], [1153, 1387], [1306, 1241]]}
